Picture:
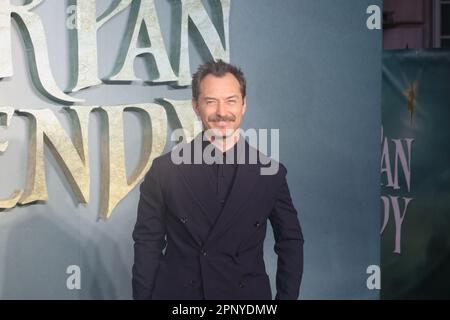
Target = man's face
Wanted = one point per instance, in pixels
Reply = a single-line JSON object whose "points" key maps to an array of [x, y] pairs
{"points": [[220, 104]]}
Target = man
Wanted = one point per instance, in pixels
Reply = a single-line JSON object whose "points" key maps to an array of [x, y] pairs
{"points": [[200, 227]]}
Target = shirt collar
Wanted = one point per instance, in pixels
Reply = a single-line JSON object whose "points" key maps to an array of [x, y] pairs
{"points": [[228, 154]]}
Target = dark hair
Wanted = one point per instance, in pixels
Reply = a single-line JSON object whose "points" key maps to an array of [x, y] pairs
{"points": [[217, 68]]}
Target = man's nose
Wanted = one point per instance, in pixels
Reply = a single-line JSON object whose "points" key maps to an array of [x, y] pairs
{"points": [[221, 111]]}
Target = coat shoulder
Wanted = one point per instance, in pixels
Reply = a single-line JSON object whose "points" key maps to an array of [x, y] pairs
{"points": [[269, 166]]}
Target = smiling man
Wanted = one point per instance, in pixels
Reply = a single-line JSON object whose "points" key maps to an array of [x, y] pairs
{"points": [[219, 101], [201, 227]]}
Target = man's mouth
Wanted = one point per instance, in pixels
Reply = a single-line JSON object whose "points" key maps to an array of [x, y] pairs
{"points": [[222, 123]]}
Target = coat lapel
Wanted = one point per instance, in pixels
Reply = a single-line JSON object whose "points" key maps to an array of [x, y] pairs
{"points": [[198, 181], [201, 189], [243, 186]]}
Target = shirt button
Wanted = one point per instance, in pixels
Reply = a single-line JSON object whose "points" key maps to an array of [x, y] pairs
{"points": [[256, 224]]}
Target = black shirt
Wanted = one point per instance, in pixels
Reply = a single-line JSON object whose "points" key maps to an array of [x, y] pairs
{"points": [[223, 174]]}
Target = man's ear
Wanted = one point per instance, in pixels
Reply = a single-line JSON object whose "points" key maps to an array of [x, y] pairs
{"points": [[195, 107], [244, 106]]}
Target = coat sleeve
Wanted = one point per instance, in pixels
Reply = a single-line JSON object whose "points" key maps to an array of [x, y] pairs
{"points": [[149, 234], [288, 243]]}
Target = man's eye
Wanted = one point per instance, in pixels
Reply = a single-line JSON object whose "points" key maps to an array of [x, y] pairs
{"points": [[231, 101]]}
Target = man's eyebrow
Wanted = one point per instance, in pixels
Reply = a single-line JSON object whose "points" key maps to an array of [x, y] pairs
{"points": [[210, 98], [231, 97]]}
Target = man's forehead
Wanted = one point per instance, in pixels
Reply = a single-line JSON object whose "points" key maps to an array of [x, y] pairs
{"points": [[233, 96], [227, 82], [215, 78]]}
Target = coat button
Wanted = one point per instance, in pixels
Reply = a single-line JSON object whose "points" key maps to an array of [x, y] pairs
{"points": [[184, 219], [241, 284], [256, 224], [192, 282], [203, 252]]}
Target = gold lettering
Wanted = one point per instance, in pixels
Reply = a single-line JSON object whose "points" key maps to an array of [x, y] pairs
{"points": [[5, 120], [34, 37], [86, 66], [72, 157], [115, 184], [147, 17], [194, 10]]}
